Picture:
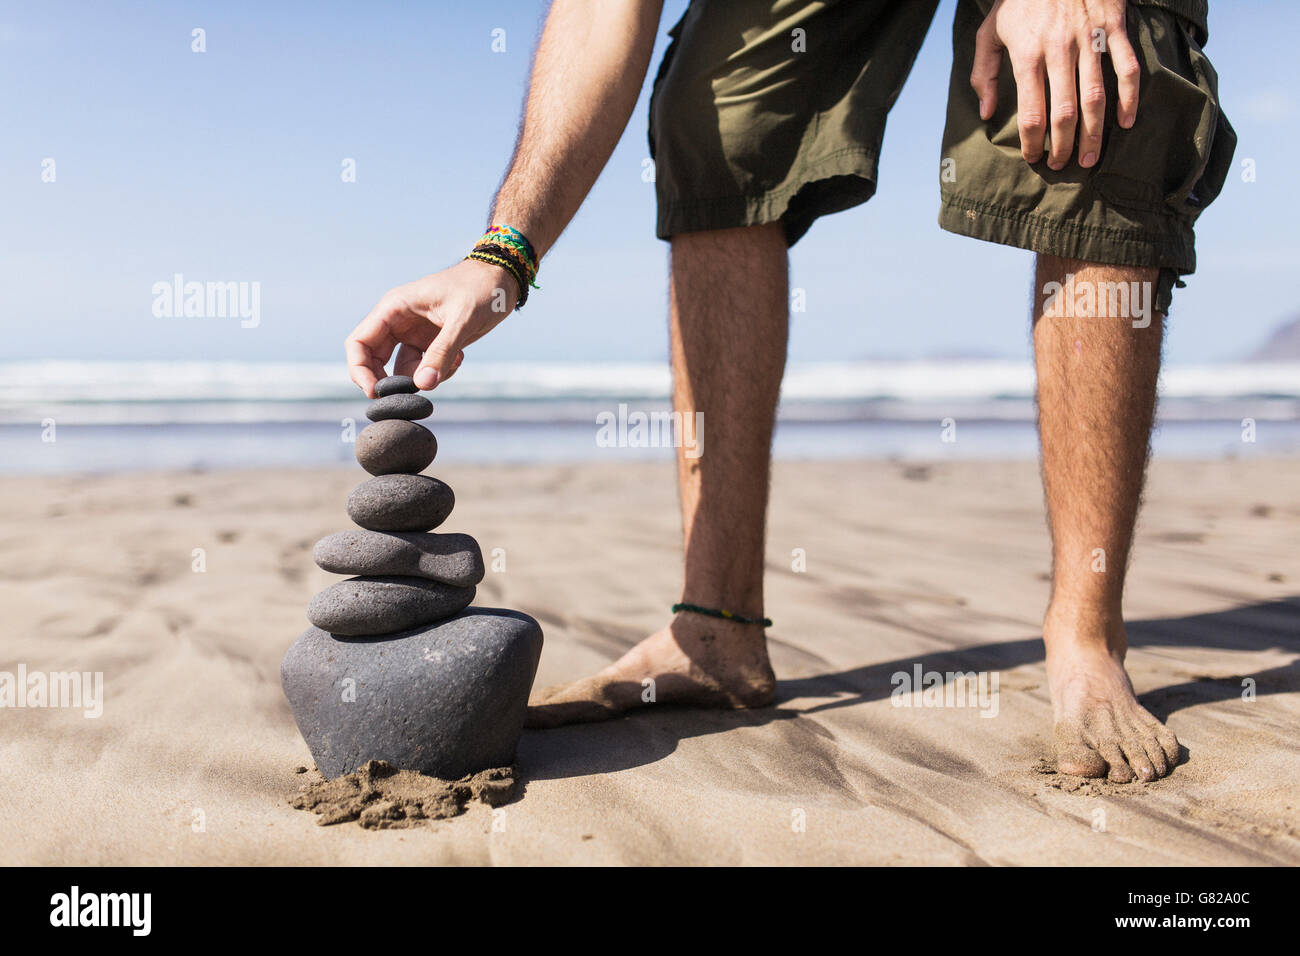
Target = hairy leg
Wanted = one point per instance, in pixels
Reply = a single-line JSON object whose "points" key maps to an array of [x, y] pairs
{"points": [[729, 325], [1096, 403]]}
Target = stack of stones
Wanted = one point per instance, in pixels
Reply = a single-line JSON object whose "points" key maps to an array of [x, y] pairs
{"points": [[397, 666], [406, 576]]}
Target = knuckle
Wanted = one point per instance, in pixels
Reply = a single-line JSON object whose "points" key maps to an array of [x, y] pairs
{"points": [[1093, 95], [1032, 121], [1065, 113], [1062, 44]]}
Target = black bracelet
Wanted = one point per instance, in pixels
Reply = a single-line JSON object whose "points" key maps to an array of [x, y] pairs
{"points": [[495, 258], [725, 615]]}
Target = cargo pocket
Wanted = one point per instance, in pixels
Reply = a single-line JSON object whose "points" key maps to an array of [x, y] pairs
{"points": [[1158, 166], [1222, 139]]}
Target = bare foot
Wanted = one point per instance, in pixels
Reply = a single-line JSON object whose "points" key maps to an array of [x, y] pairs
{"points": [[1101, 730], [696, 661]]}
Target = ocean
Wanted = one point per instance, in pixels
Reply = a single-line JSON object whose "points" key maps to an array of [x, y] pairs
{"points": [[70, 417]]}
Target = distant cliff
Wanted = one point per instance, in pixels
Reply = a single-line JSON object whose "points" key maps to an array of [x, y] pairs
{"points": [[1282, 346]]}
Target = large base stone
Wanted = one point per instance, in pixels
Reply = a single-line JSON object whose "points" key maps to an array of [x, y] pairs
{"points": [[444, 700]]}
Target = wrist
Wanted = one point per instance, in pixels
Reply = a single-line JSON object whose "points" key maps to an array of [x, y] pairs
{"points": [[509, 249], [498, 286]]}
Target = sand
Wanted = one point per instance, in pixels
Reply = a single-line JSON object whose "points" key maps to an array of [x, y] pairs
{"points": [[378, 796], [193, 758]]}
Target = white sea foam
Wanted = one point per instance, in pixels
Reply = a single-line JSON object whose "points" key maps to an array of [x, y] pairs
{"points": [[106, 393]]}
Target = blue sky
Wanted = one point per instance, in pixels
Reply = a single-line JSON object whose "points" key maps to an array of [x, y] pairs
{"points": [[225, 165]]}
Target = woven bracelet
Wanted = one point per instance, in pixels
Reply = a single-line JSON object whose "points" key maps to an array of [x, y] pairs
{"points": [[724, 614]]}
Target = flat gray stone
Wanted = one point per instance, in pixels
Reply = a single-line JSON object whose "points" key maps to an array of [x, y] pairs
{"points": [[446, 700], [395, 447], [449, 558], [395, 385], [408, 407], [384, 604], [401, 503]]}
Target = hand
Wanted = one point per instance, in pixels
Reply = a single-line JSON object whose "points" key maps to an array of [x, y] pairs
{"points": [[434, 317], [1062, 39]]}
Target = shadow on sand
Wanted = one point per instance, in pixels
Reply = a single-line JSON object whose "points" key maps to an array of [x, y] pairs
{"points": [[643, 738]]}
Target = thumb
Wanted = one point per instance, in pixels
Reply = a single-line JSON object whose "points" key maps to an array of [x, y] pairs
{"points": [[439, 359]]}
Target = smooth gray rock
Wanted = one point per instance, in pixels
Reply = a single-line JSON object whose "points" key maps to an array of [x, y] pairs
{"points": [[449, 558], [445, 700], [382, 605], [395, 447], [401, 503], [395, 385], [408, 407]]}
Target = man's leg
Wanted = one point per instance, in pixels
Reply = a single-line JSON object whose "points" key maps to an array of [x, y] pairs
{"points": [[729, 315], [1096, 402]]}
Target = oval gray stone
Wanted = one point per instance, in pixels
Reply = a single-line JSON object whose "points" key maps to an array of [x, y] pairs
{"points": [[394, 447], [444, 700], [410, 407], [449, 558], [395, 385], [382, 605], [401, 503]]}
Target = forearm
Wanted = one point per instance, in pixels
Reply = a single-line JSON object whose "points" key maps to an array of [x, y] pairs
{"points": [[587, 74]]}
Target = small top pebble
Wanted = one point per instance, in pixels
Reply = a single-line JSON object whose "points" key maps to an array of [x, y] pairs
{"points": [[395, 385]]}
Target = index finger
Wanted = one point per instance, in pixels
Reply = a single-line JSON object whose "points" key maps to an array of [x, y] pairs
{"points": [[367, 349]]}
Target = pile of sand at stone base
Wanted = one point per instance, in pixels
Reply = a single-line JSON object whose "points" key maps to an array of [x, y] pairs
{"points": [[379, 796]]}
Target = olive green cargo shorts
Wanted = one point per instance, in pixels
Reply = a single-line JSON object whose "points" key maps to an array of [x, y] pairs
{"points": [[774, 111]]}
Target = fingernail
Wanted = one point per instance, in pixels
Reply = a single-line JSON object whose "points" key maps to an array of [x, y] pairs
{"points": [[1089, 159], [426, 378]]}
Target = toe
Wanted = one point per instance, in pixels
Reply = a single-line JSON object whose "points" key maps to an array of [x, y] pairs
{"points": [[545, 716], [1169, 744], [581, 702], [1159, 742], [1137, 758], [1119, 768], [1081, 761], [1074, 756], [1156, 754]]}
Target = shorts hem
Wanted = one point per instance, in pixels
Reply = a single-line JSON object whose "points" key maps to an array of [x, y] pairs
{"points": [[773, 205], [1174, 257], [1027, 230]]}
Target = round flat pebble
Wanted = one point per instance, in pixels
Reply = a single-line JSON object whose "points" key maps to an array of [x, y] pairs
{"points": [[395, 447], [401, 503], [395, 385], [409, 407], [381, 605], [449, 558]]}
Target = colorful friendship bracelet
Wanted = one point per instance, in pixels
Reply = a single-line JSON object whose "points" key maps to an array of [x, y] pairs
{"points": [[725, 615], [510, 249], [514, 255], [509, 236]]}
